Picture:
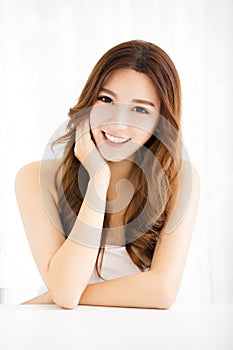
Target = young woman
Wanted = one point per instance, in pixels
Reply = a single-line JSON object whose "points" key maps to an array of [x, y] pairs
{"points": [[110, 222]]}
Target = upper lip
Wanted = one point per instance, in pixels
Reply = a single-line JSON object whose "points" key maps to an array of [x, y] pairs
{"points": [[120, 136]]}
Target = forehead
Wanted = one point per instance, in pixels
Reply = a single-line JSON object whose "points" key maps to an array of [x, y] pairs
{"points": [[129, 84]]}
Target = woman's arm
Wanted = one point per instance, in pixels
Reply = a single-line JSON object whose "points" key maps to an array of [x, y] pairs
{"points": [[158, 287], [44, 298], [136, 290], [65, 265]]}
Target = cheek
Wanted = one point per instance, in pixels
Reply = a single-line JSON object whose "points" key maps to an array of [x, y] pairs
{"points": [[142, 137], [144, 128]]}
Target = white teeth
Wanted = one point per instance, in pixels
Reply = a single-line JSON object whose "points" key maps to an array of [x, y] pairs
{"points": [[115, 139]]}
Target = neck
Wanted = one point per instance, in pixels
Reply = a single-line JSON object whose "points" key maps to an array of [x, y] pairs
{"points": [[120, 170]]}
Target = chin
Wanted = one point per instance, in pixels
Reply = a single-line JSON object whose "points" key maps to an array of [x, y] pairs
{"points": [[116, 158]]}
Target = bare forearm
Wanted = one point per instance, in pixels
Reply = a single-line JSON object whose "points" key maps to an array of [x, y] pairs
{"points": [[140, 290], [44, 298], [71, 267]]}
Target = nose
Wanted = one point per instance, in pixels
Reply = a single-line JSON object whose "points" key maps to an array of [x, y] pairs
{"points": [[119, 119]]}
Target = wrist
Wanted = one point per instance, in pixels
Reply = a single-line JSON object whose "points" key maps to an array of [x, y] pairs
{"points": [[99, 185], [101, 179]]}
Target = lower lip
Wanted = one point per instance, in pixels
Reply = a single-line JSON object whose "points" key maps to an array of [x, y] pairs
{"points": [[112, 144]]}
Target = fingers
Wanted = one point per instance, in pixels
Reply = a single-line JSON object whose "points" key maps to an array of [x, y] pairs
{"points": [[86, 151], [82, 129]]}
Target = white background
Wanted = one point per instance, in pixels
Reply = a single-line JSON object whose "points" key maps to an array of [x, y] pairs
{"points": [[47, 50]]}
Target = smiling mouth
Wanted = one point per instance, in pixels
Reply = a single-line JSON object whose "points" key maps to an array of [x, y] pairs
{"points": [[115, 139]]}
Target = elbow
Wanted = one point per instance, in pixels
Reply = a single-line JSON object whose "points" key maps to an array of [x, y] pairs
{"points": [[166, 302], [164, 297], [65, 298], [65, 302], [168, 298]]}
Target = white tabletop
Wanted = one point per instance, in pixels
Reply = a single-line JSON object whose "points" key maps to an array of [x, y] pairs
{"points": [[183, 327]]}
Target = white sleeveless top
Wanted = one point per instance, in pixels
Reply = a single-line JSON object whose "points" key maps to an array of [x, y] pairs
{"points": [[116, 263]]}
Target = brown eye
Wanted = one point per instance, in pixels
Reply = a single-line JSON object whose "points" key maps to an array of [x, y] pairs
{"points": [[105, 99]]}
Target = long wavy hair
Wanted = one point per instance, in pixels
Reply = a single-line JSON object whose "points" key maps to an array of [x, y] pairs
{"points": [[143, 227]]}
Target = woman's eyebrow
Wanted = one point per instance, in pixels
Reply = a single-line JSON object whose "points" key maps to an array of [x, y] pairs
{"points": [[109, 92], [145, 102], [137, 100]]}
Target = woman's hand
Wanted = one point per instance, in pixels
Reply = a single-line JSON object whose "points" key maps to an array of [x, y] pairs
{"points": [[87, 153]]}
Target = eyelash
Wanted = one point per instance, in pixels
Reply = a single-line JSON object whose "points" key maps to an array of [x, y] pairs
{"points": [[101, 98], [142, 110], [107, 99]]}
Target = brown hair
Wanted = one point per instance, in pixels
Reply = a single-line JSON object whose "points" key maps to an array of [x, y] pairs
{"points": [[146, 58]]}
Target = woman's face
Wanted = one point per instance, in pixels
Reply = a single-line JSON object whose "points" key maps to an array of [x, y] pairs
{"points": [[125, 114]]}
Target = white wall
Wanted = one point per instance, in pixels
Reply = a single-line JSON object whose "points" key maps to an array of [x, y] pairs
{"points": [[47, 50]]}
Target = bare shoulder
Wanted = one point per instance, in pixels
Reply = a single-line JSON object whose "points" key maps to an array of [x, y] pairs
{"points": [[41, 172], [27, 174], [190, 183], [185, 200], [50, 166], [36, 192], [189, 175]]}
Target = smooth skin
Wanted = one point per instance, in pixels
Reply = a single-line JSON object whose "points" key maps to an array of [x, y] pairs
{"points": [[58, 259]]}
